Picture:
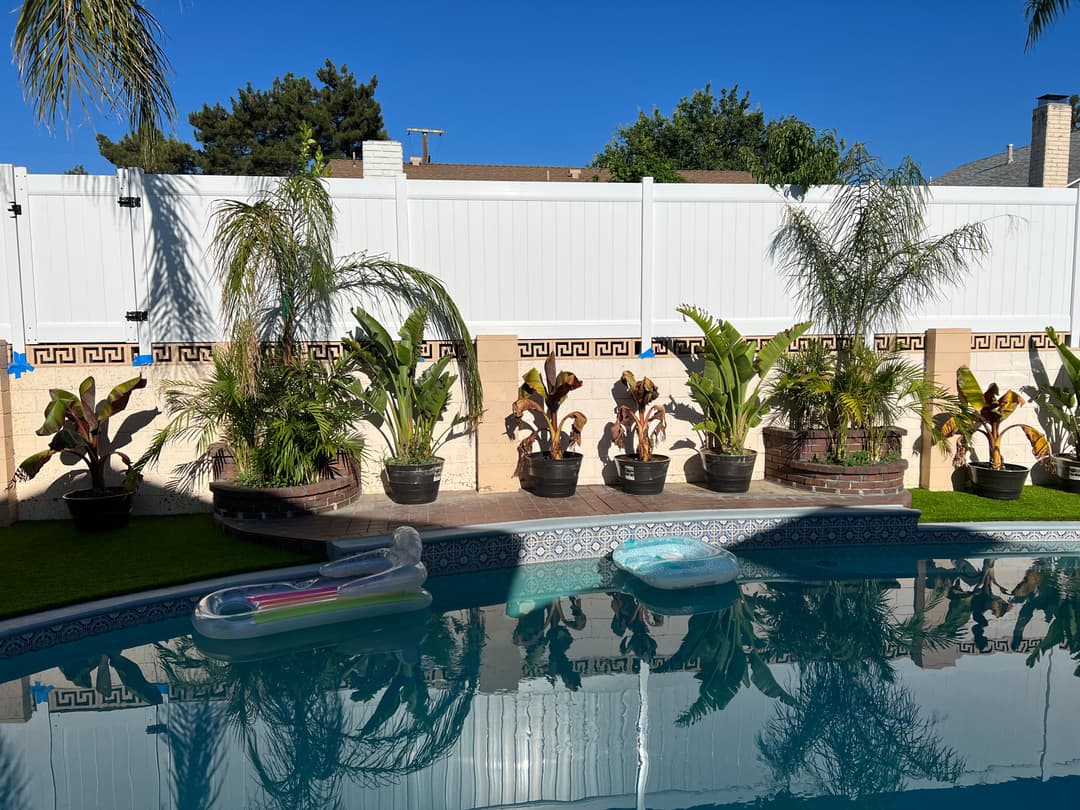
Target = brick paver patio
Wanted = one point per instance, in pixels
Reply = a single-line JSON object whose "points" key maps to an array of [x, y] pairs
{"points": [[375, 514]]}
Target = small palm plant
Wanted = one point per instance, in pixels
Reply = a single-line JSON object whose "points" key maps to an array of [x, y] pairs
{"points": [[636, 420], [866, 261]]}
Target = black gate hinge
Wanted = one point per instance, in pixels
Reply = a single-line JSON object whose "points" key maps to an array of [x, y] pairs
{"points": [[130, 202], [137, 315], [15, 209]]}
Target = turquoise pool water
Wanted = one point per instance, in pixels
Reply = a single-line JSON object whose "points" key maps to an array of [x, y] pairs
{"points": [[821, 679]]}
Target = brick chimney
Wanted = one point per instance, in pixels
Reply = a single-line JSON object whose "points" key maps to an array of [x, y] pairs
{"points": [[384, 159], [1051, 129]]}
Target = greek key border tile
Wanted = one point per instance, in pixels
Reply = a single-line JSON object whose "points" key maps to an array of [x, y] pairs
{"points": [[1012, 341], [123, 354]]}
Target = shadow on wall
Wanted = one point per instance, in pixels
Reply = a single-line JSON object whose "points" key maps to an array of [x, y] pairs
{"points": [[177, 296]]}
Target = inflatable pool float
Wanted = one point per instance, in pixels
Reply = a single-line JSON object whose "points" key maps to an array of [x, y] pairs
{"points": [[374, 583], [674, 563]]}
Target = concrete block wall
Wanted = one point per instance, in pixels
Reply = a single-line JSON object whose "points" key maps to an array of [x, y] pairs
{"points": [[485, 460]]}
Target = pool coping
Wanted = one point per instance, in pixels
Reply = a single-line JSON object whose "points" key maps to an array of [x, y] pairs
{"points": [[470, 548]]}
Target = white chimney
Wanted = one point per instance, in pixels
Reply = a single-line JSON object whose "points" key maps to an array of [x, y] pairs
{"points": [[383, 159]]}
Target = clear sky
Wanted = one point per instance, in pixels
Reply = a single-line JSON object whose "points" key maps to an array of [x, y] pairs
{"points": [[547, 83]]}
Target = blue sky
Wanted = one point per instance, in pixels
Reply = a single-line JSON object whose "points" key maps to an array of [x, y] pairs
{"points": [[547, 83]]}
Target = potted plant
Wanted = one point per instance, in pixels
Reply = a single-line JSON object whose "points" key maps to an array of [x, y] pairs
{"points": [[79, 430], [286, 420], [404, 407], [643, 472], [1062, 406], [551, 473], [730, 407], [983, 411]]}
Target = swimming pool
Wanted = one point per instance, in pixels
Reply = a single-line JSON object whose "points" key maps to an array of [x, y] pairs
{"points": [[892, 678]]}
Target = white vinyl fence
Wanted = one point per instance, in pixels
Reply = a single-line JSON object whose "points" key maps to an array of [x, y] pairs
{"points": [[82, 256]]}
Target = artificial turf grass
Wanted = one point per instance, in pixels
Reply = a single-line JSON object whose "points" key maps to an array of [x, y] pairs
{"points": [[46, 564], [1035, 503]]}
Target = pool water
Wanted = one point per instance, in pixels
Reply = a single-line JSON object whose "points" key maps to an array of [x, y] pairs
{"points": [[868, 680]]}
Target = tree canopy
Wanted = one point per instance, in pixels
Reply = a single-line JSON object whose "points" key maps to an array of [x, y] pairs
{"points": [[169, 155], [260, 134], [710, 131]]}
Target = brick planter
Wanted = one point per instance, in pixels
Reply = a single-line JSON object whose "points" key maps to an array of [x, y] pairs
{"points": [[795, 458], [232, 501]]}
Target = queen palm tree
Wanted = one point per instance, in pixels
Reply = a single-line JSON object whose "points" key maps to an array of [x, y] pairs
{"points": [[866, 261], [1041, 14], [103, 54]]}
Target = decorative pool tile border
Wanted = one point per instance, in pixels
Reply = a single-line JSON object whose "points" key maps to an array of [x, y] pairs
{"points": [[480, 548]]}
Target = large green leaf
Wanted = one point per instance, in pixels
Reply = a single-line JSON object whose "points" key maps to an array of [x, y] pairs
{"points": [[118, 398], [971, 393]]}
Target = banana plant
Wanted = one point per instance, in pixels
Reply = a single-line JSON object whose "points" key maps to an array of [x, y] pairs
{"points": [[983, 411], [79, 429], [723, 388], [543, 396], [627, 419], [404, 407]]}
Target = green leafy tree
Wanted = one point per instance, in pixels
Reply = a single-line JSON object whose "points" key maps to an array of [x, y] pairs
{"points": [[260, 134], [78, 168], [705, 131], [798, 155], [169, 156], [101, 54]]}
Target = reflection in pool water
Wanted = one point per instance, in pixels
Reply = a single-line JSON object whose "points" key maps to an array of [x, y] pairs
{"points": [[869, 678]]}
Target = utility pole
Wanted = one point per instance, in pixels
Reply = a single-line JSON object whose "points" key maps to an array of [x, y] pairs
{"points": [[425, 132]]}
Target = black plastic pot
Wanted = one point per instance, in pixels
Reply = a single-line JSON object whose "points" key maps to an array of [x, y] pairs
{"points": [[1002, 485], [547, 477], [1067, 469], [729, 473], [642, 477], [414, 483], [96, 512]]}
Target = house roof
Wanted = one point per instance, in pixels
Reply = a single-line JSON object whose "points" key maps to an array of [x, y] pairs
{"points": [[996, 170], [474, 171]]}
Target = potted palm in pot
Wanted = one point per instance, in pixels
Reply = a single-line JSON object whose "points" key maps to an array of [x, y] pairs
{"points": [[730, 407], [642, 472], [983, 411], [79, 430], [406, 408], [551, 473], [1061, 406]]}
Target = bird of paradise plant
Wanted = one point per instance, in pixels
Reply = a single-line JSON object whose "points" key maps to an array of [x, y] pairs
{"points": [[627, 419], [543, 396]]}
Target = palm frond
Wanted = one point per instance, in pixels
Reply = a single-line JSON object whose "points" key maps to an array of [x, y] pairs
{"points": [[104, 54], [1041, 14]]}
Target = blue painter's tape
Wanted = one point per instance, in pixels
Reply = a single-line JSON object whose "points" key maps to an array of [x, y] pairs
{"points": [[19, 365], [143, 360], [647, 353], [40, 692], [163, 688]]}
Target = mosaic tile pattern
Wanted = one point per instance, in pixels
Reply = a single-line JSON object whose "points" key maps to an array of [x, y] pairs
{"points": [[503, 550], [63, 632]]}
